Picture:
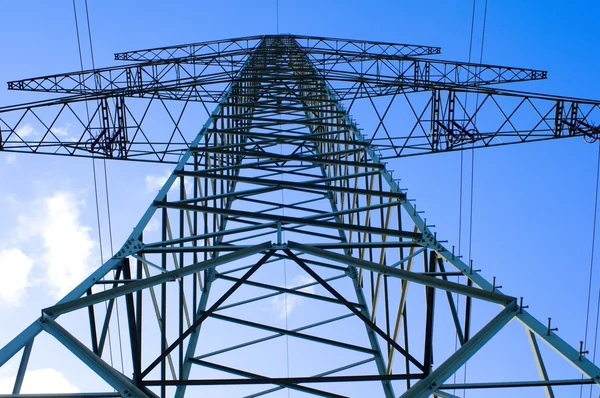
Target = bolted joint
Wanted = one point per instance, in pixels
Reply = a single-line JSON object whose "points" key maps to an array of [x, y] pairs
{"points": [[211, 275], [429, 240], [132, 246], [352, 272]]}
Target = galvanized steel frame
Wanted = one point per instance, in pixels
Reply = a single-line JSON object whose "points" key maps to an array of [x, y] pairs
{"points": [[279, 128]]}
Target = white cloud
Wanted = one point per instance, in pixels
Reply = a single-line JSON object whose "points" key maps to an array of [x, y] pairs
{"points": [[67, 242], [25, 130], [156, 182], [64, 132], [11, 158], [67, 246], [153, 225], [50, 247], [40, 381], [61, 131], [281, 302], [14, 268], [286, 303]]}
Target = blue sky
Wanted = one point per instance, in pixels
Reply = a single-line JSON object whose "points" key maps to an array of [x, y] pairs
{"points": [[533, 203]]}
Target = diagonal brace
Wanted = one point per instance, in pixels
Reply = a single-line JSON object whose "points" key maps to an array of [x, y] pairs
{"points": [[358, 313], [208, 312]]}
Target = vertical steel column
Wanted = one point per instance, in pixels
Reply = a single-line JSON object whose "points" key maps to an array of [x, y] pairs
{"points": [[238, 93]]}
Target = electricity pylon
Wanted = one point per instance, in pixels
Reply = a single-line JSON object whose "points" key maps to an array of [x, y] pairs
{"points": [[287, 258]]}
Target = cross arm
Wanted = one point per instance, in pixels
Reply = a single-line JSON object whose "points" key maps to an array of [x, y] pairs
{"points": [[312, 43], [350, 75], [451, 119]]}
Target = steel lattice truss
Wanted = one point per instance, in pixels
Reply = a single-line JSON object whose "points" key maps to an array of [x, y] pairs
{"points": [[281, 201], [113, 112]]}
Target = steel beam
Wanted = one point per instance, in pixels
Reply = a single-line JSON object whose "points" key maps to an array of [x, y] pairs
{"points": [[539, 362], [153, 280], [424, 388], [22, 368], [518, 384], [405, 275], [122, 384], [572, 356]]}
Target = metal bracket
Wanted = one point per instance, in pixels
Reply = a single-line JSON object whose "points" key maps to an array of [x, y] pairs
{"points": [[430, 240], [211, 275], [582, 352], [132, 246], [550, 328], [352, 272]]}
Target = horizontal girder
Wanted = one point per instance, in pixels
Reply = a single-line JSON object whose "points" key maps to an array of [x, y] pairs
{"points": [[440, 102], [309, 42], [173, 79]]}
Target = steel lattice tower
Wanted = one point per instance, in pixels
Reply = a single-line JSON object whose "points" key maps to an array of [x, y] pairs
{"points": [[280, 201]]}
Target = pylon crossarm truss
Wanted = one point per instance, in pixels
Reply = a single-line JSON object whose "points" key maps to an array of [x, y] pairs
{"points": [[356, 47], [171, 78], [145, 111], [281, 227]]}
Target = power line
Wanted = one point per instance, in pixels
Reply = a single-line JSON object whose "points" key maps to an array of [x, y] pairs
{"points": [[472, 182], [96, 196], [591, 273], [460, 183], [595, 335], [95, 179]]}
